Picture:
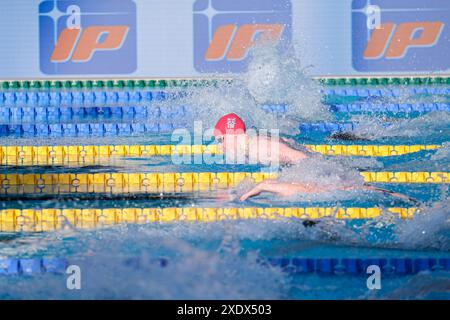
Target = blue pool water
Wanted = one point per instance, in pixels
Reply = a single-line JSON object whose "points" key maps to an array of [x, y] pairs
{"points": [[248, 259]]}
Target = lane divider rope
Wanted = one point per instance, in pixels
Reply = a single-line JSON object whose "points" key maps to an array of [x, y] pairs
{"points": [[358, 266], [127, 183], [386, 92], [81, 98], [159, 126], [38, 220], [163, 83], [371, 107], [32, 266], [294, 265], [16, 155]]}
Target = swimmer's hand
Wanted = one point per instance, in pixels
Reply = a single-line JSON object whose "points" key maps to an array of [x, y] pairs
{"points": [[285, 189]]}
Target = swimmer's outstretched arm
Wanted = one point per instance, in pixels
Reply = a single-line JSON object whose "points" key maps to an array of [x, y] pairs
{"points": [[288, 189], [281, 188]]}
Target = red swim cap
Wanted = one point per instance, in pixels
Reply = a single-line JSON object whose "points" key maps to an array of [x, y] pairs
{"points": [[229, 124]]}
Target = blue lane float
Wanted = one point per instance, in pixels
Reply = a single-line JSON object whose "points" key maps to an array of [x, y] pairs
{"points": [[371, 107], [32, 266], [88, 129], [393, 266], [133, 129], [327, 127], [43, 98], [326, 266], [157, 126], [386, 93], [174, 112], [391, 107], [44, 115]]}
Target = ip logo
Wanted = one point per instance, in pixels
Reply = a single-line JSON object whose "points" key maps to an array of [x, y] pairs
{"points": [[226, 30], [87, 37], [412, 35]]}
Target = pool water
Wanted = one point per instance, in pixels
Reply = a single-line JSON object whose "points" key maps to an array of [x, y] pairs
{"points": [[264, 258]]}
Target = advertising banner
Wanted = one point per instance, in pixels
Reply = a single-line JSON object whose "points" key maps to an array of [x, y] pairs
{"points": [[201, 38]]}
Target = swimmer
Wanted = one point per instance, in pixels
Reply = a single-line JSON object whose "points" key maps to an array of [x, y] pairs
{"points": [[230, 133]]}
